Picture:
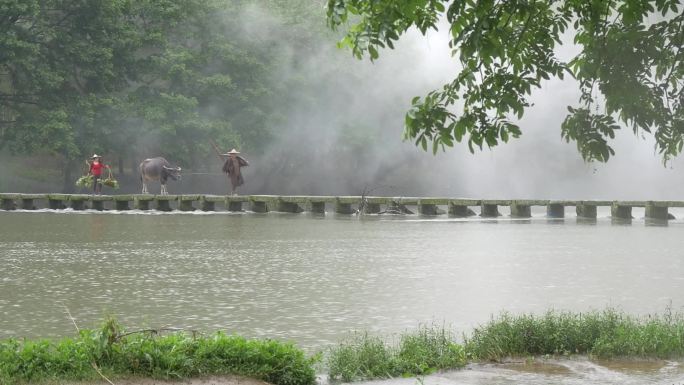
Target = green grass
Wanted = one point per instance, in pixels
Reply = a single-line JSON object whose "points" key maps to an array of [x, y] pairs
{"points": [[177, 355], [363, 357], [602, 334], [599, 334]]}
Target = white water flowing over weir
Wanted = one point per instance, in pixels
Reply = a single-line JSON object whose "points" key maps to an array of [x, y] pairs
{"points": [[314, 279]]}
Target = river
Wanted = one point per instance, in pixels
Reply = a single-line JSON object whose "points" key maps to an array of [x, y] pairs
{"points": [[314, 279]]}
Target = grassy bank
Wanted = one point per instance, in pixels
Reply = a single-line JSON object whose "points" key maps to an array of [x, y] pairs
{"points": [[116, 353], [424, 351], [604, 334], [179, 355], [600, 334]]}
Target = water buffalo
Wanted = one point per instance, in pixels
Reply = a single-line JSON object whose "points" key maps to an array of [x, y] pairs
{"points": [[157, 169]]}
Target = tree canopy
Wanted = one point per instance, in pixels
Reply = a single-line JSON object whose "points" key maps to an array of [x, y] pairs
{"points": [[630, 67], [89, 75], [137, 78]]}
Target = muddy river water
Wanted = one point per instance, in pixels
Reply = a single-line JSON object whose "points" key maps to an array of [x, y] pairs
{"points": [[313, 279]]}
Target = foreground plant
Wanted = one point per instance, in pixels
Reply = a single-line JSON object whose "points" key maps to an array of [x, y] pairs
{"points": [[112, 352], [603, 334], [425, 351], [629, 66]]}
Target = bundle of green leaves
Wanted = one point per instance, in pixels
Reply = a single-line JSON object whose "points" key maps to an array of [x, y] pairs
{"points": [[111, 182], [85, 181]]}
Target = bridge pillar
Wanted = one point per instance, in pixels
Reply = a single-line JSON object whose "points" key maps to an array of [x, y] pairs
{"points": [[164, 202], [427, 209], [186, 205], [259, 207], [121, 202], [618, 211], [290, 204], [289, 207], [430, 206], [208, 202], [317, 207], [554, 210], [142, 202], [234, 206], [27, 204], [56, 201], [489, 210], [585, 211], [343, 205], [372, 208], [163, 205], [78, 202], [344, 208], [658, 212], [519, 210], [98, 202], [261, 203], [185, 202], [98, 205], [208, 205], [234, 203], [7, 204], [460, 211]]}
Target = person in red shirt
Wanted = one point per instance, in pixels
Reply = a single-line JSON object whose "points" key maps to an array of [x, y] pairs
{"points": [[96, 167]]}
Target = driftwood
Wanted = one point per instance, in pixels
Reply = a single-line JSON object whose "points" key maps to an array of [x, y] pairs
{"points": [[396, 208], [155, 332], [363, 203]]}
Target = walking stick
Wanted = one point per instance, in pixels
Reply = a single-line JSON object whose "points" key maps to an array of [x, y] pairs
{"points": [[218, 152]]}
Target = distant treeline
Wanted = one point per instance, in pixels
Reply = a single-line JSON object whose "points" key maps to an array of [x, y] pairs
{"points": [[129, 79]]}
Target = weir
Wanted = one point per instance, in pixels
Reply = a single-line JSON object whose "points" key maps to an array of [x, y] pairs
{"points": [[343, 205]]}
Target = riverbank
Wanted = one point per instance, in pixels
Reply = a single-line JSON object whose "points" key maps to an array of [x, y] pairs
{"points": [[113, 352], [599, 335], [145, 357], [212, 380]]}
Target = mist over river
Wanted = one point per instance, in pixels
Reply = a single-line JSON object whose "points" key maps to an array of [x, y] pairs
{"points": [[314, 279]]}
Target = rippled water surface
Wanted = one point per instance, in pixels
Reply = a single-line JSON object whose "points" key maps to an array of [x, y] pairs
{"points": [[314, 279]]}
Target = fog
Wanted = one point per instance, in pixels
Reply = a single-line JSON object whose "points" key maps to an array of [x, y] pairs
{"points": [[341, 125], [353, 99]]}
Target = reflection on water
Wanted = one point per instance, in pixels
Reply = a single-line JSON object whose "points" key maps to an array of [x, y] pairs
{"points": [[314, 279], [536, 366]]}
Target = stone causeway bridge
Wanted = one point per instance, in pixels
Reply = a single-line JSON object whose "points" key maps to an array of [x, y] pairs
{"points": [[338, 204]]}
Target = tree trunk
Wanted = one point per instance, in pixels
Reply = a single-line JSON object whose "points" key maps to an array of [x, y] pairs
{"points": [[68, 183], [121, 165], [134, 168]]}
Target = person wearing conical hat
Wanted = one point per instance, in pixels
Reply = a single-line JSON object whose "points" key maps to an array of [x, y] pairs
{"points": [[232, 167], [96, 167]]}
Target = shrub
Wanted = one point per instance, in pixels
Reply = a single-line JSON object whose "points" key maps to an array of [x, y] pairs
{"points": [[364, 357], [176, 355], [607, 333]]}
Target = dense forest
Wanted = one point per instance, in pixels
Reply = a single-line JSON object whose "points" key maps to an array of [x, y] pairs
{"points": [[133, 79]]}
